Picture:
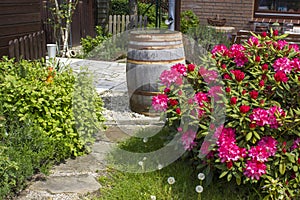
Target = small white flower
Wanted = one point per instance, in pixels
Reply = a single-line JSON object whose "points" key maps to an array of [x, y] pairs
{"points": [[141, 163], [153, 197], [145, 158], [171, 180], [201, 176], [145, 139], [199, 189], [159, 166]]}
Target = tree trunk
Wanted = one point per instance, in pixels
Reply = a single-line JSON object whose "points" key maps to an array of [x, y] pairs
{"points": [[133, 7]]}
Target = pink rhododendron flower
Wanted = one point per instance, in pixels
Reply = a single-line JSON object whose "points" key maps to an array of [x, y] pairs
{"points": [[296, 64], [295, 47], [273, 112], [191, 67], [173, 102], [254, 169], [201, 97], [181, 68], [168, 77], [238, 74], [283, 64], [269, 143], [258, 153], [281, 44], [253, 94], [260, 116], [160, 102], [264, 67], [240, 59], [221, 49], [295, 144], [253, 41], [233, 100], [280, 76], [188, 138], [214, 92], [266, 117], [228, 150], [244, 109]]}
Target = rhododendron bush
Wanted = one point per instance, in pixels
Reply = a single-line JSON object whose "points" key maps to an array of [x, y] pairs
{"points": [[238, 113]]}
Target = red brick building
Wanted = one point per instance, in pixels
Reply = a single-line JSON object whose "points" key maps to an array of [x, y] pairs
{"points": [[242, 13]]}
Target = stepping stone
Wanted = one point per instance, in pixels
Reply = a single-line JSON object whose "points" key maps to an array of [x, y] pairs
{"points": [[80, 184]]}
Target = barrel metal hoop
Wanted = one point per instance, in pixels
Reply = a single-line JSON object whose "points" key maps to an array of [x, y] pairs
{"points": [[159, 62], [144, 93]]}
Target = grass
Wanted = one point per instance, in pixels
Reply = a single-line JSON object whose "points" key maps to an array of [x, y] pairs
{"points": [[141, 186]]}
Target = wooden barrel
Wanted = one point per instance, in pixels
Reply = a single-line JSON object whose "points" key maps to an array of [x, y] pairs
{"points": [[150, 52]]}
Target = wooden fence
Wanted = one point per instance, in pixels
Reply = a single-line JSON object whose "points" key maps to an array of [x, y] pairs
{"points": [[118, 24], [29, 47]]}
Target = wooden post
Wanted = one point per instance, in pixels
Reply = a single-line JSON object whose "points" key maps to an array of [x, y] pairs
{"points": [[177, 15]]}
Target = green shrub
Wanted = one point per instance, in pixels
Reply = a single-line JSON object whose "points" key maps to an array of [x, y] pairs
{"points": [[89, 43], [46, 115], [188, 20], [150, 12], [119, 7]]}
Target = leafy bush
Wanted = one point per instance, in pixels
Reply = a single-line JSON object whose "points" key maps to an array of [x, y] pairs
{"points": [[46, 115], [188, 20], [145, 10], [89, 43], [119, 7], [245, 123]]}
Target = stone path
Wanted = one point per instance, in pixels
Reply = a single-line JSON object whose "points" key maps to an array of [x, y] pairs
{"points": [[77, 178]]}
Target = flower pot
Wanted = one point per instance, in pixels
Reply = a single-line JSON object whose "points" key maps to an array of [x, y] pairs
{"points": [[51, 48]]}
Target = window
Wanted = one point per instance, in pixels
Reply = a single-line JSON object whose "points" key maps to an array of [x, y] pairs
{"points": [[286, 9]]}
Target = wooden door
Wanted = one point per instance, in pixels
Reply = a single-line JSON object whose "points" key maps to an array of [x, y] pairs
{"points": [[83, 21]]}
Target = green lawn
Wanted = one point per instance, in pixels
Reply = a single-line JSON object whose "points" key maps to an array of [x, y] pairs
{"points": [[139, 186]]}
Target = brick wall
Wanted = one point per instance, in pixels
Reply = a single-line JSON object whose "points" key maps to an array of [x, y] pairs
{"points": [[238, 13]]}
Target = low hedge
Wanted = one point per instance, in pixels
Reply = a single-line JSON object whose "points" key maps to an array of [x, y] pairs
{"points": [[46, 115]]}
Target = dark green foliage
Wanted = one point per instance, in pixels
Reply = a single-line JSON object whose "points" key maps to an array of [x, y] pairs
{"points": [[188, 20], [89, 43], [46, 115], [119, 7]]}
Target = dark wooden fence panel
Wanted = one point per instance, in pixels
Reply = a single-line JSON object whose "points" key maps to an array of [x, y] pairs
{"points": [[29, 47], [83, 22], [18, 18]]}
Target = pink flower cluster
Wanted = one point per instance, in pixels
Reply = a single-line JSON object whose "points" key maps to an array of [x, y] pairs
{"points": [[181, 68], [188, 138], [236, 51], [209, 76], [160, 102], [255, 167], [228, 149], [168, 77], [286, 65], [229, 152], [266, 117]]}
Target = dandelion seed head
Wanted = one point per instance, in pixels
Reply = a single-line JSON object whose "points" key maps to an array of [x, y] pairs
{"points": [[199, 189], [201, 176], [171, 180]]}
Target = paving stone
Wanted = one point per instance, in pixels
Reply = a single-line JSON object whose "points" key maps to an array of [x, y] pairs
{"points": [[80, 184]]}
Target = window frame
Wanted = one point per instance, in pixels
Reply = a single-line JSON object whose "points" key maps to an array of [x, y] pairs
{"points": [[273, 14]]}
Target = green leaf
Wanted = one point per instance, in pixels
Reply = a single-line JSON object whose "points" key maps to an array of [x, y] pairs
{"points": [[282, 168], [224, 173], [256, 135], [229, 177], [249, 136]]}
